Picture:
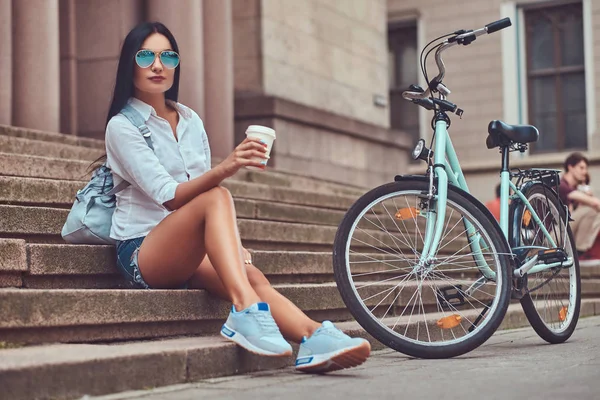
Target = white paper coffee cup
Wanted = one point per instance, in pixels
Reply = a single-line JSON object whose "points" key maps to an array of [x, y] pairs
{"points": [[266, 135]]}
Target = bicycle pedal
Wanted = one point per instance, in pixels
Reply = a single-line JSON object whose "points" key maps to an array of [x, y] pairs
{"points": [[450, 296], [550, 256]]}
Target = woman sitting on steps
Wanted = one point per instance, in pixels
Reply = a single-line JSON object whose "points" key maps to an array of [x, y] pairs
{"points": [[176, 227]]}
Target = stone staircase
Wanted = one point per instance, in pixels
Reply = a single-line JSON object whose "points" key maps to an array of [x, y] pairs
{"points": [[68, 326]]}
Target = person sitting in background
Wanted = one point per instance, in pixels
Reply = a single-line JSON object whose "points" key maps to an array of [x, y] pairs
{"points": [[494, 205], [585, 207]]}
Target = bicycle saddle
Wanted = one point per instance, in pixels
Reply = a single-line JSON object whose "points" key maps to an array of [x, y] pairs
{"points": [[501, 134]]}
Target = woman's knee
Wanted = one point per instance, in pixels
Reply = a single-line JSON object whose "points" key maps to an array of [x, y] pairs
{"points": [[256, 277], [214, 197]]}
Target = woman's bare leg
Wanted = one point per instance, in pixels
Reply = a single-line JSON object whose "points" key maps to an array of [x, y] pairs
{"points": [[171, 253], [292, 322]]}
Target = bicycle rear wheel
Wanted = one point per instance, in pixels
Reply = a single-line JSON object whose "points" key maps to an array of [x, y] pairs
{"points": [[552, 307], [440, 310]]}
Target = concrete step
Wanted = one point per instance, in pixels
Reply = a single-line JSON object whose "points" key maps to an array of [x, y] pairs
{"points": [[58, 266], [43, 224], [62, 266], [29, 158], [49, 167], [74, 370], [18, 145], [14, 131], [272, 177], [29, 166], [74, 315], [61, 193], [86, 315], [262, 226]]}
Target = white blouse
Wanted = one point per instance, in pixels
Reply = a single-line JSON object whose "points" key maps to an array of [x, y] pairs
{"points": [[153, 175]]}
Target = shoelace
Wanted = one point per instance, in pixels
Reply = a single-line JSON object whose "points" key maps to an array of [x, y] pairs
{"points": [[266, 321]]}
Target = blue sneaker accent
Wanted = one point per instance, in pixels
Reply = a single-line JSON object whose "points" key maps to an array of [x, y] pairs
{"points": [[329, 349], [303, 360], [255, 330], [227, 332]]}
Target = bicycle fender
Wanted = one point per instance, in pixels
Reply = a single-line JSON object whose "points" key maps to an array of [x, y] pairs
{"points": [[515, 209], [517, 205], [467, 195]]}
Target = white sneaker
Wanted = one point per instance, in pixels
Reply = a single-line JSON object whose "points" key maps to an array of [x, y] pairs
{"points": [[330, 349], [255, 330]]}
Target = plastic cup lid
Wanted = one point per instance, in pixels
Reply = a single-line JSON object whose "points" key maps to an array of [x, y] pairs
{"points": [[261, 129]]}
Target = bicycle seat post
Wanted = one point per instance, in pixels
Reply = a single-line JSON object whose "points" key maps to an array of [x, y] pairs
{"points": [[504, 190]]}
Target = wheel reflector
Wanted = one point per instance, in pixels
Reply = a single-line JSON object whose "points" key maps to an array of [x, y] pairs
{"points": [[407, 213], [449, 322], [526, 217], [562, 314]]}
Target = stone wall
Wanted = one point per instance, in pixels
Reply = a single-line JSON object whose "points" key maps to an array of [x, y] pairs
{"points": [[331, 55], [310, 69], [321, 144]]}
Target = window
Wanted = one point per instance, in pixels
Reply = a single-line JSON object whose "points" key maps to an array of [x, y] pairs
{"points": [[403, 69], [556, 76]]}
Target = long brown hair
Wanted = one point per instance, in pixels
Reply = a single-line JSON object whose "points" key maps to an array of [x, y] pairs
{"points": [[124, 88]]}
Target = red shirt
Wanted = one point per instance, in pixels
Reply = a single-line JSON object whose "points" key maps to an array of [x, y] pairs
{"points": [[494, 207], [563, 192]]}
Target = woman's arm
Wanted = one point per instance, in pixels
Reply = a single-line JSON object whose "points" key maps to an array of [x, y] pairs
{"points": [[186, 191], [131, 158], [242, 156]]}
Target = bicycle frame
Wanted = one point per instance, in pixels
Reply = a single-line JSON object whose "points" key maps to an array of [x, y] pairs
{"points": [[446, 169]]}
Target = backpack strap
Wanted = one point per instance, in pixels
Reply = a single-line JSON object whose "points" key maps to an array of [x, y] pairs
{"points": [[118, 188], [138, 121]]}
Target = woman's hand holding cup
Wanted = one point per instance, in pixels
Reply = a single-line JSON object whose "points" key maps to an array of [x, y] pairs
{"points": [[250, 153], [266, 136]]}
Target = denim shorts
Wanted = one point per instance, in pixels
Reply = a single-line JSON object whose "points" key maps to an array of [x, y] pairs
{"points": [[127, 263]]}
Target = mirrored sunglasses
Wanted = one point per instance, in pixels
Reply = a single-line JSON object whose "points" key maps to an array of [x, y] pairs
{"points": [[168, 58]]}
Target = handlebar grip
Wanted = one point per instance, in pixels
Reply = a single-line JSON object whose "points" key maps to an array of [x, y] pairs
{"points": [[500, 24]]}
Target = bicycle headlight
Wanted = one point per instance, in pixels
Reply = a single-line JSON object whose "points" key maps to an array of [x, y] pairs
{"points": [[416, 154]]}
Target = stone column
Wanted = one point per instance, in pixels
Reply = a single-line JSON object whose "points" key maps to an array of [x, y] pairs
{"points": [[184, 20], [6, 62], [218, 76], [36, 100], [68, 67]]}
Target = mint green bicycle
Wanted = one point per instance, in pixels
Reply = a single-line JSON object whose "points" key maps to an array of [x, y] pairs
{"points": [[425, 268]]}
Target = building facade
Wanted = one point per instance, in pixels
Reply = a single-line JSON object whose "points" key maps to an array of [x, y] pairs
{"points": [[542, 71], [326, 74]]}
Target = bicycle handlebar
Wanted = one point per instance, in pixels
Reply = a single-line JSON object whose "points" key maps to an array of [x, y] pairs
{"points": [[464, 38], [498, 25]]}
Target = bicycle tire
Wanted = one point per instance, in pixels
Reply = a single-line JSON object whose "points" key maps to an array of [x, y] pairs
{"points": [[530, 301], [369, 322]]}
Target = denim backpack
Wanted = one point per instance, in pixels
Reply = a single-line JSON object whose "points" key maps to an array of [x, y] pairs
{"points": [[90, 218]]}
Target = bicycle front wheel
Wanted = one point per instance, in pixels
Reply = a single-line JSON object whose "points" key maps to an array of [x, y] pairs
{"points": [[439, 309], [554, 299]]}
